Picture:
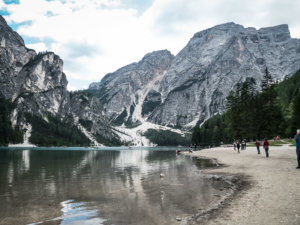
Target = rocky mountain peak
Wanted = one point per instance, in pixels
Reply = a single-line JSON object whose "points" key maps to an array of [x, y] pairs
{"points": [[37, 85], [7, 35], [277, 33], [157, 57], [194, 84], [220, 29]]}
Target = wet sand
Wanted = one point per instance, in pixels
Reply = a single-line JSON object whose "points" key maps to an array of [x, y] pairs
{"points": [[272, 193]]}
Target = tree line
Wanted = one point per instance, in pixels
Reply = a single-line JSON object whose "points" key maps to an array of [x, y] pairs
{"points": [[166, 137], [55, 132], [252, 114], [8, 133]]}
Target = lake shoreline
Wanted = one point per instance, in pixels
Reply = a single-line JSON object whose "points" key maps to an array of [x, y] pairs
{"points": [[269, 188]]}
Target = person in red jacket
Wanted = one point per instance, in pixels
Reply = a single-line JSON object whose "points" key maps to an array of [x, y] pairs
{"points": [[266, 147]]}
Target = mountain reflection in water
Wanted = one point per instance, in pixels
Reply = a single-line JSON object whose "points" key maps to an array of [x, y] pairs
{"points": [[101, 187]]}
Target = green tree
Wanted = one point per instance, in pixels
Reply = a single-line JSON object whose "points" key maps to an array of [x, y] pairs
{"points": [[295, 112], [271, 123], [241, 110]]}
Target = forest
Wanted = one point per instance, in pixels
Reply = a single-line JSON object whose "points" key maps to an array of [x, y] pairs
{"points": [[166, 138], [55, 132], [252, 113], [8, 133]]}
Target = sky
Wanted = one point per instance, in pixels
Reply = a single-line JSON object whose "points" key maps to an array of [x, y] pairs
{"points": [[96, 37]]}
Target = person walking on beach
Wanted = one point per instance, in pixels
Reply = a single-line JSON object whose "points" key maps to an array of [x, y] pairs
{"points": [[238, 146], [257, 143], [190, 148], [234, 145], [266, 147], [297, 139], [244, 144]]}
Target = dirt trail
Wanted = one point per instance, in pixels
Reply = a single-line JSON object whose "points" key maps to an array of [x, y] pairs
{"points": [[274, 194]]}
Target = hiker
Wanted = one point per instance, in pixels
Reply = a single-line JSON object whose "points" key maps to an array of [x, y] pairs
{"points": [[297, 139], [238, 146], [190, 148], [266, 147], [234, 145], [258, 146], [244, 145]]}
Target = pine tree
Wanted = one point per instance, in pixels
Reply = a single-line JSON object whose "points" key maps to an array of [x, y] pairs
{"points": [[241, 109], [296, 112], [272, 119]]}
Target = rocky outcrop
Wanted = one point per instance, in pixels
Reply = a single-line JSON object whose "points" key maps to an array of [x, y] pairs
{"points": [[88, 112], [123, 92], [13, 56], [37, 85], [195, 84]]}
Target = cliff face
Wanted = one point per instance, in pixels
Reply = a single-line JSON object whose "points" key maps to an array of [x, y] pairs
{"points": [[194, 84], [88, 113], [37, 84], [123, 92]]}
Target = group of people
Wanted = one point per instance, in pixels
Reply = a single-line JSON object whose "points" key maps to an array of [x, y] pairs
{"points": [[265, 146], [237, 145]]}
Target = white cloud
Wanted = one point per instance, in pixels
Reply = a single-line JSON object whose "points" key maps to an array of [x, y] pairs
{"points": [[39, 47], [95, 37]]}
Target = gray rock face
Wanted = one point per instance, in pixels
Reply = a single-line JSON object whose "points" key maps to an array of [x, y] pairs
{"points": [[214, 61], [123, 92], [38, 85], [13, 56], [41, 86], [195, 85], [88, 111]]}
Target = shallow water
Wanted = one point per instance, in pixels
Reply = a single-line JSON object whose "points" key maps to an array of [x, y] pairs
{"points": [[102, 187]]}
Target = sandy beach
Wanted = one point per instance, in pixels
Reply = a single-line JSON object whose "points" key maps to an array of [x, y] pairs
{"points": [[272, 195]]}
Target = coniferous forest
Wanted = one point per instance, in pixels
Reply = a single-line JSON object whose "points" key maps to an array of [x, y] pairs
{"points": [[8, 133], [55, 132], [252, 113]]}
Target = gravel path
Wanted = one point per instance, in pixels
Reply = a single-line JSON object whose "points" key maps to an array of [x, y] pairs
{"points": [[274, 194]]}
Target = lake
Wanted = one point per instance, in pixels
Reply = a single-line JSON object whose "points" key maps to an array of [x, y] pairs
{"points": [[76, 186]]}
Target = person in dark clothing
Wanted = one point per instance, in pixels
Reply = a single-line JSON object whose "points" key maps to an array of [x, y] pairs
{"points": [[234, 145], [266, 147], [195, 146], [243, 145], [238, 146], [297, 139], [257, 143], [190, 148]]}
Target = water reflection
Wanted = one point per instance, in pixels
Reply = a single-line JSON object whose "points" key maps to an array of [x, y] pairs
{"points": [[111, 187], [76, 213]]}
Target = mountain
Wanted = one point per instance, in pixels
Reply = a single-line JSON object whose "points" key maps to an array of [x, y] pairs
{"points": [[189, 88], [130, 93], [37, 87]]}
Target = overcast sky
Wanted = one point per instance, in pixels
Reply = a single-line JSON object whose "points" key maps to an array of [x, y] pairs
{"points": [[95, 37]]}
